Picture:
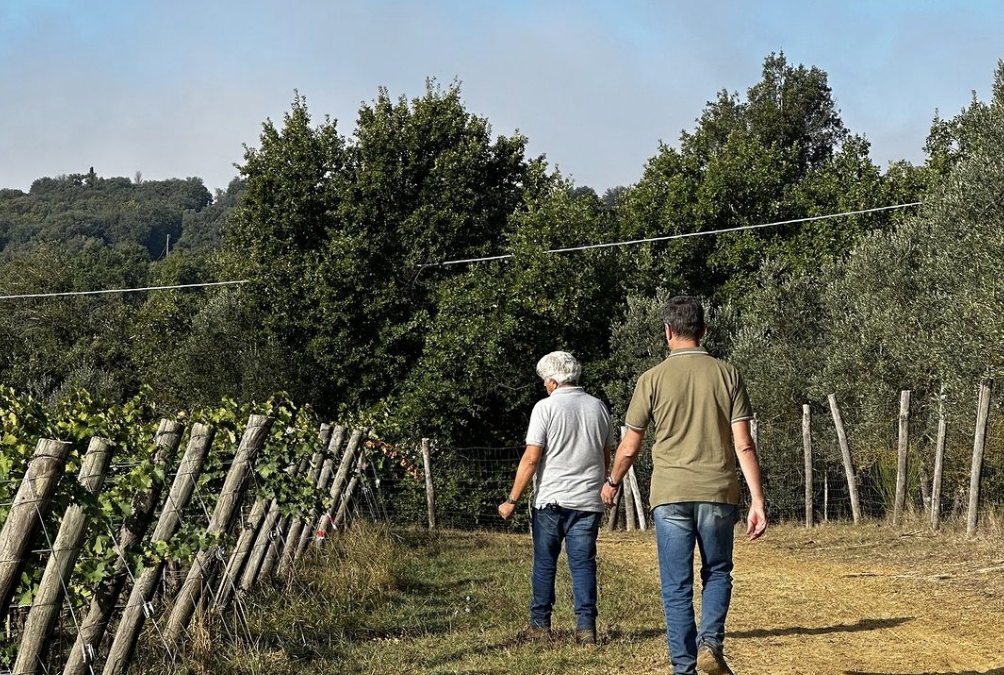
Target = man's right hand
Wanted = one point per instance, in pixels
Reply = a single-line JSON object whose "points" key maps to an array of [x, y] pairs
{"points": [[506, 509], [756, 522]]}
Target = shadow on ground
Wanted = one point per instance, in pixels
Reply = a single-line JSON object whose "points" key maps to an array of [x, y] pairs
{"points": [[862, 625]]}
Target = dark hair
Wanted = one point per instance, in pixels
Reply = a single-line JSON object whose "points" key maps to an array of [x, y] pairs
{"points": [[685, 315]]}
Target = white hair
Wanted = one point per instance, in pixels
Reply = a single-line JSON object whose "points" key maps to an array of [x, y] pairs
{"points": [[560, 367]]}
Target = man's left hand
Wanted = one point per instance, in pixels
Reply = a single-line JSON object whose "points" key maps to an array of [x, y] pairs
{"points": [[608, 494]]}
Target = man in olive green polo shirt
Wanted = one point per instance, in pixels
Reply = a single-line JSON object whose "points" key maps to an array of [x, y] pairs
{"points": [[701, 413]]}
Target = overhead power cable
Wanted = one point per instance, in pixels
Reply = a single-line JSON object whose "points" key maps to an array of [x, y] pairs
{"points": [[120, 290], [683, 235]]}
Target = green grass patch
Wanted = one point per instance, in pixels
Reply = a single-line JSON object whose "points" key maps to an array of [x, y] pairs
{"points": [[408, 601]]}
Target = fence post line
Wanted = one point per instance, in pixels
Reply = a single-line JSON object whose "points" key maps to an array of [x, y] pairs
{"points": [[131, 623], [901, 458], [807, 455], [939, 465], [32, 500], [979, 444], [639, 504], [845, 453], [430, 491], [235, 486], [48, 601], [131, 534]]}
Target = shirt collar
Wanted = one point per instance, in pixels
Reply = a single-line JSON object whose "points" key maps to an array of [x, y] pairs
{"points": [[688, 350]]}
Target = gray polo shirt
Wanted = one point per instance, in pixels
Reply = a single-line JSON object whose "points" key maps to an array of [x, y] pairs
{"points": [[572, 427]]}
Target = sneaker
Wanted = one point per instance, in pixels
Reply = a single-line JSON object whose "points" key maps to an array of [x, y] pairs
{"points": [[586, 637], [711, 661]]}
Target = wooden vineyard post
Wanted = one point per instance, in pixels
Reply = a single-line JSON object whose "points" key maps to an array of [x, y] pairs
{"points": [[29, 506], [278, 547], [807, 457], [132, 532], [901, 457], [260, 547], [48, 601], [939, 466], [629, 511], [323, 526], [979, 443], [845, 453], [638, 502], [925, 488], [203, 570], [140, 598], [430, 491], [297, 542], [342, 516], [241, 552]]}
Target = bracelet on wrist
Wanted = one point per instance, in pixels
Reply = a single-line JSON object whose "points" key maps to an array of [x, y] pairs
{"points": [[611, 483]]}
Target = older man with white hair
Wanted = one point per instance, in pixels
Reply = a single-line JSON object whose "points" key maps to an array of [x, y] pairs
{"points": [[568, 449]]}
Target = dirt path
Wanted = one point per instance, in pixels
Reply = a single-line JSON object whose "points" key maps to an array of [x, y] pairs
{"points": [[858, 600]]}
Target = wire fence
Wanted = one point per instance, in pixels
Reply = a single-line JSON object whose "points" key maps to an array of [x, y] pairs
{"points": [[470, 482]]}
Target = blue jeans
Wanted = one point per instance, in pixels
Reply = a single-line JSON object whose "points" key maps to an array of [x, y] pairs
{"points": [[578, 529], [677, 528]]}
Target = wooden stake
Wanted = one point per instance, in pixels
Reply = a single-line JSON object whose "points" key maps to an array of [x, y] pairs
{"points": [[939, 466], [807, 456], [48, 601], [845, 453], [141, 597], [638, 502], [430, 491], [324, 523], [203, 570], [242, 551], [300, 534], [901, 459], [130, 536], [979, 444], [30, 504]]}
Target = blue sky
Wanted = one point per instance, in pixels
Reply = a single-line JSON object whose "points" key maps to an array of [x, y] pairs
{"points": [[175, 89]]}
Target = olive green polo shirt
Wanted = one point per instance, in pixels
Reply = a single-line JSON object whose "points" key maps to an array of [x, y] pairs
{"points": [[693, 399]]}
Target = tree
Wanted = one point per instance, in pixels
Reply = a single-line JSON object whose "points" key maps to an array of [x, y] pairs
{"points": [[332, 230]]}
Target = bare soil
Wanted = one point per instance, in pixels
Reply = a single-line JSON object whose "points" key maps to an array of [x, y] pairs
{"points": [[844, 599]]}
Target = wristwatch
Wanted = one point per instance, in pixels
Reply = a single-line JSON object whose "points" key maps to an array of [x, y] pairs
{"points": [[611, 483], [510, 500]]}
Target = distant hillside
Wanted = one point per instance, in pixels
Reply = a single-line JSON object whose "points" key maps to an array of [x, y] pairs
{"points": [[79, 208]]}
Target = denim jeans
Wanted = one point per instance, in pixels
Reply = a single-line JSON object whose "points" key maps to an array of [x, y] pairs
{"points": [[677, 528], [578, 529]]}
